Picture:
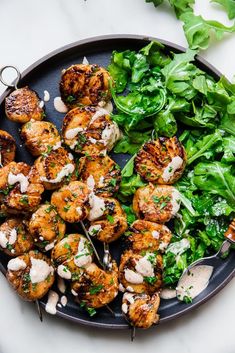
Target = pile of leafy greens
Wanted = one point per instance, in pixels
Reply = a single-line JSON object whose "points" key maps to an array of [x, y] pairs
{"points": [[198, 31], [163, 94]]}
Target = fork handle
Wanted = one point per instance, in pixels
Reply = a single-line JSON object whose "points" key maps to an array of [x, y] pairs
{"points": [[230, 233]]}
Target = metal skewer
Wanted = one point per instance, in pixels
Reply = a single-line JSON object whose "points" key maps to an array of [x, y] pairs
{"points": [[133, 333], [39, 310], [16, 81]]}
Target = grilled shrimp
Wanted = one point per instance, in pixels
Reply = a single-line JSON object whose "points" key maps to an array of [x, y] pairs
{"points": [[22, 105], [110, 223], [55, 168], [102, 173], [7, 148], [71, 201], [140, 310], [46, 227], [89, 130], [15, 239], [97, 287], [161, 161], [71, 256], [156, 203], [147, 236], [40, 137], [85, 85], [31, 275], [21, 188], [141, 273]]}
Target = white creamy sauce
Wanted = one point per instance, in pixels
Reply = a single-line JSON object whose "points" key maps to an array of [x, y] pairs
{"points": [[129, 289], [39, 270], [99, 112], [71, 133], [83, 257], [52, 301], [65, 171], [179, 247], [121, 288], [93, 230], [101, 181], [124, 308], [97, 207], [3, 240], [19, 178], [16, 264], [133, 277], [56, 146], [85, 61], [92, 140], [41, 238], [71, 157], [155, 234], [129, 297], [79, 210], [168, 293], [74, 293], [90, 182], [144, 266], [64, 300], [61, 285], [63, 272], [163, 246], [50, 246], [46, 97], [110, 135], [41, 104], [59, 105], [192, 283], [171, 168], [175, 201], [109, 107], [12, 237]]}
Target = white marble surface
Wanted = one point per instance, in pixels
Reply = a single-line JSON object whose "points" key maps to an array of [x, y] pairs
{"points": [[32, 28]]}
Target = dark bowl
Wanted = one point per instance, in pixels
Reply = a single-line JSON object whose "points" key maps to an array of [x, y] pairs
{"points": [[45, 75]]}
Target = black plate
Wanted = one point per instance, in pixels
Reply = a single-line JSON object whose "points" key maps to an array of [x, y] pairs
{"points": [[45, 75]]}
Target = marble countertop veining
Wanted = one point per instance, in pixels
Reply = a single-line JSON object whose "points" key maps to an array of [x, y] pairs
{"points": [[30, 29]]}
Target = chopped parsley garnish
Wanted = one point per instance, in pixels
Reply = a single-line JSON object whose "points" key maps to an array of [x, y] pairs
{"points": [[110, 219], [66, 208], [113, 182], [70, 99], [75, 276], [96, 289], [24, 200], [49, 209], [91, 311], [150, 280], [67, 246]]}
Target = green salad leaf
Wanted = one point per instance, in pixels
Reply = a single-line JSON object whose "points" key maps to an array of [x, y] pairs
{"points": [[179, 74], [198, 31], [229, 6], [216, 178]]}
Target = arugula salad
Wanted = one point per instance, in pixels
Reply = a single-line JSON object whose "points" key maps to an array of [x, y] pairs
{"points": [[161, 94]]}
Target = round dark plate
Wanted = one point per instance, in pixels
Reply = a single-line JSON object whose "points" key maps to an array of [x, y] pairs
{"points": [[45, 75]]}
